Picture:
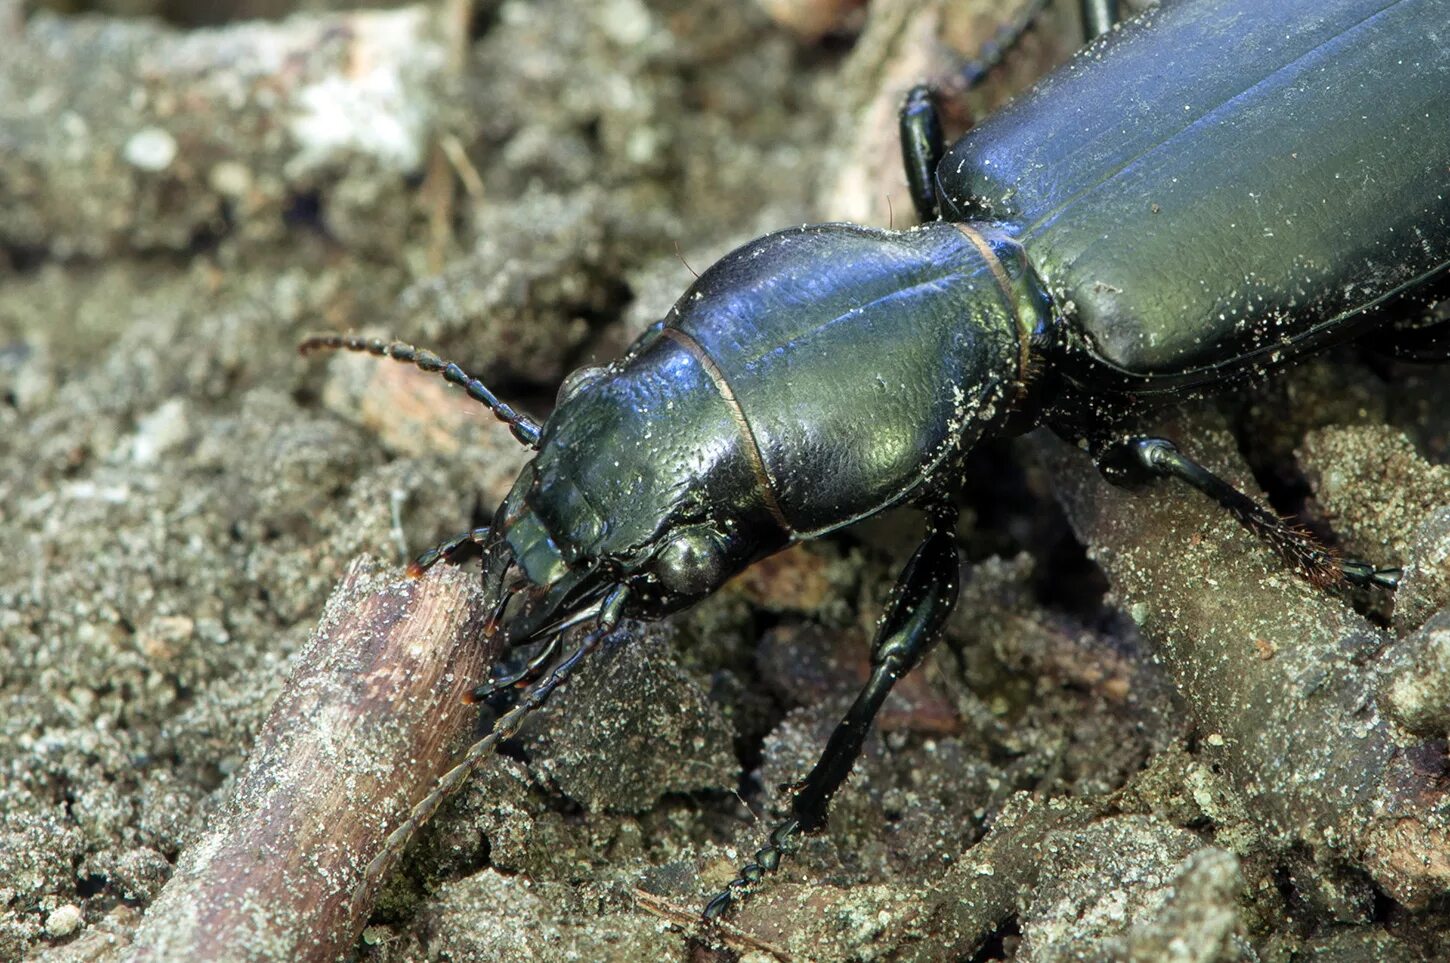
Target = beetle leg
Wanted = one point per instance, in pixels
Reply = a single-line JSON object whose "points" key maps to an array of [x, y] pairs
{"points": [[1098, 17], [504, 727], [924, 596], [922, 147], [1357, 572], [527, 675], [994, 51], [1137, 460], [536, 666], [447, 551]]}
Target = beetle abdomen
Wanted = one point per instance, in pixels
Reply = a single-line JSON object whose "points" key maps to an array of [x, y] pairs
{"points": [[1212, 188], [860, 360]]}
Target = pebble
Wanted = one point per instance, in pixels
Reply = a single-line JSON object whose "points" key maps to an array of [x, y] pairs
{"points": [[64, 921]]}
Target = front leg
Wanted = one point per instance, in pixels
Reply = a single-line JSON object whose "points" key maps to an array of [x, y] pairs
{"points": [[925, 593], [451, 550]]}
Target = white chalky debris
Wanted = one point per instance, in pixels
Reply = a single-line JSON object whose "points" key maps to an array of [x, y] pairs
{"points": [[230, 179], [373, 110], [160, 431], [64, 921], [150, 149]]}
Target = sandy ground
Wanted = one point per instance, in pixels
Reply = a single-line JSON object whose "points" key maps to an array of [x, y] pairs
{"points": [[1142, 738]]}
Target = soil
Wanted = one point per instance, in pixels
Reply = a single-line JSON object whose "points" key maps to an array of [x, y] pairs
{"points": [[1142, 738]]}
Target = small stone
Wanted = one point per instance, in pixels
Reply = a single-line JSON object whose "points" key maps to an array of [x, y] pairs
{"points": [[64, 921], [230, 178], [160, 431], [1417, 693], [151, 149]]}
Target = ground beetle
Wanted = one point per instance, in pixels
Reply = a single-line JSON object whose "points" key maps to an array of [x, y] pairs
{"points": [[1204, 194]]}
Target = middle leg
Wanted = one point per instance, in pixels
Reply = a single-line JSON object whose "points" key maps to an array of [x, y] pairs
{"points": [[924, 596], [449, 550]]}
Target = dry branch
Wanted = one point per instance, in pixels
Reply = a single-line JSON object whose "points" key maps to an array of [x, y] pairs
{"points": [[371, 717], [1281, 678]]}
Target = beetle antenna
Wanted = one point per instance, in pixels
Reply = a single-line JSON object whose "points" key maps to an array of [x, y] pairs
{"points": [[679, 254], [524, 428]]}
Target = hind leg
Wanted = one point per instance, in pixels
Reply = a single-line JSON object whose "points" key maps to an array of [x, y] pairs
{"points": [[1098, 18], [922, 143], [1134, 461]]}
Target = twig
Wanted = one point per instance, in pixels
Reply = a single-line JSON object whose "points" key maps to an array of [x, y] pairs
{"points": [[1280, 676], [370, 718]]}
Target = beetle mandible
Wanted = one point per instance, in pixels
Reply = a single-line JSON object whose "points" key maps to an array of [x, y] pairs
{"points": [[1210, 192]]}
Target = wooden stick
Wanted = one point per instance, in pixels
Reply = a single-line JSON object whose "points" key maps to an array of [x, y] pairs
{"points": [[371, 717], [1281, 677]]}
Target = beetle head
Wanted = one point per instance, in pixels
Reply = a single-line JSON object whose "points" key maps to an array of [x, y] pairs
{"points": [[639, 481]]}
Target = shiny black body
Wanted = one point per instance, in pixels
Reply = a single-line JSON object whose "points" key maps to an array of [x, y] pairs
{"points": [[1222, 185], [1201, 195], [794, 325]]}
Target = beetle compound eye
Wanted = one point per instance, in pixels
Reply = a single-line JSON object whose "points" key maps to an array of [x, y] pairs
{"points": [[693, 563], [576, 380]]}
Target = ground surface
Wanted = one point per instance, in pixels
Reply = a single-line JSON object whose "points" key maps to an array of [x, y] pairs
{"points": [[521, 187]]}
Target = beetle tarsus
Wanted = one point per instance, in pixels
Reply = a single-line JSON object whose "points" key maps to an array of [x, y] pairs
{"points": [[766, 860], [448, 551], [924, 595], [1360, 573], [524, 428], [1098, 17], [994, 51]]}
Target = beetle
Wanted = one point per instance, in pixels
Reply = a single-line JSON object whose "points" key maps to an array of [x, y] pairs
{"points": [[1205, 194]]}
